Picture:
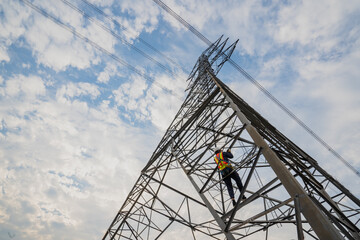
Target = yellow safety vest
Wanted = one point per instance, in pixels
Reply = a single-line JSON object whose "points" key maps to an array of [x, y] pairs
{"points": [[219, 159]]}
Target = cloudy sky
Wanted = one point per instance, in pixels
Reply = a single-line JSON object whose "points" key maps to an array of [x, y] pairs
{"points": [[77, 123]]}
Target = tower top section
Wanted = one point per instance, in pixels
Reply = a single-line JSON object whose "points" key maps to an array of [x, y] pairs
{"points": [[212, 59]]}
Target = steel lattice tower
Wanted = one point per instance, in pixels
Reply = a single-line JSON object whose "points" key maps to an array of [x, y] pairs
{"points": [[180, 193]]}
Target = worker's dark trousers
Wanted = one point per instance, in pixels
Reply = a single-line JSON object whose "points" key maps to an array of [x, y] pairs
{"points": [[234, 175]]}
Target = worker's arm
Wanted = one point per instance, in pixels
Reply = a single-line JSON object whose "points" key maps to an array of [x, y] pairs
{"points": [[227, 154]]}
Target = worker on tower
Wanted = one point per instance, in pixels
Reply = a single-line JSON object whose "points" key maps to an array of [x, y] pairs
{"points": [[228, 172]]}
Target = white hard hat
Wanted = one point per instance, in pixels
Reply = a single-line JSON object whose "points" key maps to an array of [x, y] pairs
{"points": [[217, 149]]}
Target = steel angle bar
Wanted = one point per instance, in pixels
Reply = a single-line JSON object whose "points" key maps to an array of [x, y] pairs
{"points": [[342, 218], [181, 220], [319, 222], [166, 160], [214, 171], [209, 206], [274, 221], [117, 217], [308, 178], [288, 144], [188, 138], [261, 228], [271, 199], [198, 158], [226, 56], [214, 183], [213, 47], [231, 136], [298, 218], [177, 191], [338, 222], [221, 128], [242, 192], [164, 230], [260, 214], [186, 124], [250, 198], [219, 51], [208, 180], [237, 136]]}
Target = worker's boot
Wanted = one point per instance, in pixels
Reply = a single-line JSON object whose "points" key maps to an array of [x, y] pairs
{"points": [[234, 202]]}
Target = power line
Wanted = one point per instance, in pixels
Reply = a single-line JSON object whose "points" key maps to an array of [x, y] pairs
{"points": [[182, 21], [259, 86], [139, 38], [97, 46], [124, 41]]}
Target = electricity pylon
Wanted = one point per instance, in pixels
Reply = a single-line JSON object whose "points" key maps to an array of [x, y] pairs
{"points": [[181, 195]]}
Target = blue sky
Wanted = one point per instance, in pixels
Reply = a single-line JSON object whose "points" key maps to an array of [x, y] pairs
{"points": [[76, 126]]}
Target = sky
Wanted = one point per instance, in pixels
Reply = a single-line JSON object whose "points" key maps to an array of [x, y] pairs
{"points": [[77, 123]]}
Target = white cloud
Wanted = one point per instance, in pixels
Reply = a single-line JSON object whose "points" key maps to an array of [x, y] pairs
{"points": [[22, 86], [61, 56], [4, 56], [143, 17], [26, 66], [307, 21], [61, 11], [53, 46], [103, 3], [271, 70], [165, 105], [69, 158], [128, 94], [187, 10], [159, 103], [109, 71], [13, 16], [234, 19], [335, 84], [72, 90], [57, 48]]}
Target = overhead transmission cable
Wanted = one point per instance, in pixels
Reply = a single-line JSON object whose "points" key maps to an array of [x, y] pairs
{"points": [[259, 86], [97, 46], [124, 41], [138, 38]]}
